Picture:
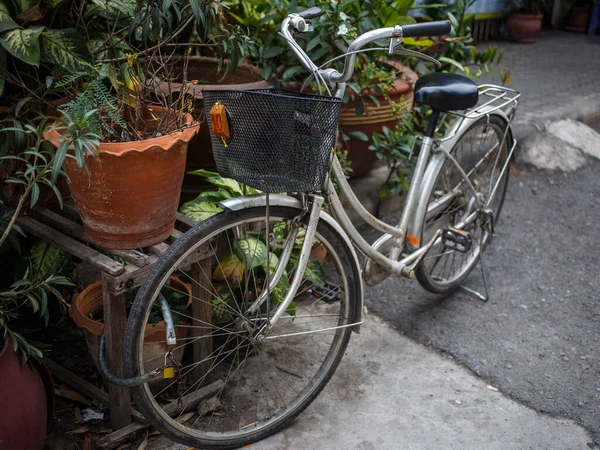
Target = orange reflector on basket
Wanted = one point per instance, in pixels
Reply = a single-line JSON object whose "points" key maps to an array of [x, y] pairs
{"points": [[219, 121], [412, 240]]}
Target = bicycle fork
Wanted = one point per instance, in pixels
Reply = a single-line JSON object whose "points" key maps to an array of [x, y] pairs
{"points": [[315, 212]]}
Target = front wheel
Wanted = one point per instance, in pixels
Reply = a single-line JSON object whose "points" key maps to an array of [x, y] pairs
{"points": [[482, 151], [210, 276]]}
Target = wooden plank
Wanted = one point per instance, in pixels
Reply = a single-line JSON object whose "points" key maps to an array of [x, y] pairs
{"points": [[115, 318], [176, 234], [134, 276], [184, 222], [202, 312], [159, 249], [70, 207], [76, 382], [78, 232], [131, 278], [76, 248], [189, 401], [83, 386]]}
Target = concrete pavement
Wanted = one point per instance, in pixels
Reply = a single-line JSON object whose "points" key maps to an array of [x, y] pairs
{"points": [[392, 393]]}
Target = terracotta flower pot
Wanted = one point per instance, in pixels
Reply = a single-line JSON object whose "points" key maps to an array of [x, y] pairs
{"points": [[23, 402], [374, 118], [524, 27], [128, 196], [90, 302], [203, 69], [579, 19]]}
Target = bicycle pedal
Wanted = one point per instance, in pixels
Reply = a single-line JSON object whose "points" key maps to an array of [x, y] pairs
{"points": [[456, 239], [330, 293]]}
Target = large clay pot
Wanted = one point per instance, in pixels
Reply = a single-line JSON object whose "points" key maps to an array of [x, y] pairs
{"points": [[524, 27], [203, 71], [128, 195], [90, 302], [374, 117], [23, 403]]}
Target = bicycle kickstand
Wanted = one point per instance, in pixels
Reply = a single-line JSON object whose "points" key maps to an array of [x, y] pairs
{"points": [[473, 292]]}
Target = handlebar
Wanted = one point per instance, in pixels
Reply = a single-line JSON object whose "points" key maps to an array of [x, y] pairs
{"points": [[298, 22], [438, 28], [310, 13]]}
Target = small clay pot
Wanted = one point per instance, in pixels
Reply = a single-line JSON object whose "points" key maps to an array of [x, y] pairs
{"points": [[90, 302], [524, 27]]}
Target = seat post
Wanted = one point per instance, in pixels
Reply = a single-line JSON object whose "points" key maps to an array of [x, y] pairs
{"points": [[432, 124]]}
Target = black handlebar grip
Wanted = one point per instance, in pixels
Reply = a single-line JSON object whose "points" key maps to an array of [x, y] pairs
{"points": [[310, 13], [438, 28]]}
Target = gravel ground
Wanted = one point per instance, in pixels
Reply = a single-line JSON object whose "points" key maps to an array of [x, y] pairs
{"points": [[537, 338]]}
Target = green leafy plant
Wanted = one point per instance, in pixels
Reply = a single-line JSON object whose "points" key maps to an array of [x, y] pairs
{"points": [[531, 6], [30, 33], [249, 253], [456, 51], [30, 295], [39, 165]]}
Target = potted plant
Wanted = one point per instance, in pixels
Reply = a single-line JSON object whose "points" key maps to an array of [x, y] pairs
{"points": [[112, 102], [525, 23], [206, 73], [578, 15], [86, 311], [26, 391], [380, 88]]}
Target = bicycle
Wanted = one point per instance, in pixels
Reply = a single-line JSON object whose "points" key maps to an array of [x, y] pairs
{"points": [[269, 324]]}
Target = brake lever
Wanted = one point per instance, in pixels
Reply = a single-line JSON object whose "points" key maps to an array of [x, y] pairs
{"points": [[396, 48]]}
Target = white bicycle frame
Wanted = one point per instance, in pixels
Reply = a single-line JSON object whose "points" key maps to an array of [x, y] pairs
{"points": [[401, 259]]}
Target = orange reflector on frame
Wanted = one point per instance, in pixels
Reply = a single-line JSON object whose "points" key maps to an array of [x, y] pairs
{"points": [[412, 240]]}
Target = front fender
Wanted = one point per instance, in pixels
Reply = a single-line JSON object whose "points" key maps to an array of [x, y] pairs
{"points": [[253, 201]]}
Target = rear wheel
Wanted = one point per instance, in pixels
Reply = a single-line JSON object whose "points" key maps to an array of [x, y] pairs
{"points": [[482, 151], [260, 384]]}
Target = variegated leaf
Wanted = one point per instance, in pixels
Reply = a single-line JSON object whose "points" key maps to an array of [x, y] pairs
{"points": [[23, 44], [66, 49], [2, 80], [6, 21]]}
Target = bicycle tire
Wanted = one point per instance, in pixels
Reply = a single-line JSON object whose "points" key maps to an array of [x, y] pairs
{"points": [[445, 180], [339, 255]]}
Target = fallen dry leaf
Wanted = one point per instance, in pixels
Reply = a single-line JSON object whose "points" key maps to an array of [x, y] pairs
{"points": [[144, 444], [65, 392], [78, 416], [185, 417], [208, 406], [81, 430]]}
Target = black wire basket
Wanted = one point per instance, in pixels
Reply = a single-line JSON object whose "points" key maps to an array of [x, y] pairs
{"points": [[280, 141]]}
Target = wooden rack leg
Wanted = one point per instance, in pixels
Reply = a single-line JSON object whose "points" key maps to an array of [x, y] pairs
{"points": [[115, 318], [202, 312]]}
